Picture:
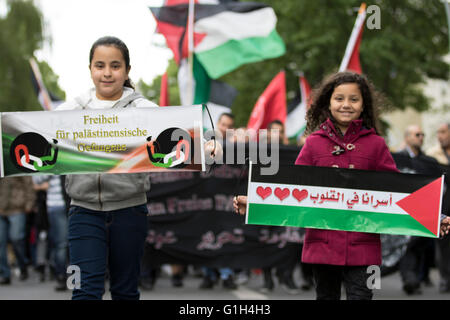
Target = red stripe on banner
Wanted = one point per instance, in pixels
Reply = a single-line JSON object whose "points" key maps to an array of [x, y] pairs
{"points": [[423, 204]]}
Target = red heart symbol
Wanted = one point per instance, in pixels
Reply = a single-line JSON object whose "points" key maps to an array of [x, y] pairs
{"points": [[300, 195], [264, 192], [282, 193]]}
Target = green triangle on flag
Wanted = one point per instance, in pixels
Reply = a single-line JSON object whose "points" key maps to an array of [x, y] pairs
{"points": [[423, 204]]}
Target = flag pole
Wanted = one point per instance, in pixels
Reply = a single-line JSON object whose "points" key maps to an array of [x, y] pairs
{"points": [[353, 37], [47, 101], [447, 10], [190, 86]]}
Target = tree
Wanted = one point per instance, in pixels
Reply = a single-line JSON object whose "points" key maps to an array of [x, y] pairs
{"points": [[152, 91], [399, 57], [21, 34]]}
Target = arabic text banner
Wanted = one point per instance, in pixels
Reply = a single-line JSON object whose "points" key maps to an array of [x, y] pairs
{"points": [[117, 140], [346, 199]]}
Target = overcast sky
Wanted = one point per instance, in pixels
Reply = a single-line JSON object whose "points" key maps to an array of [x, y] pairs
{"points": [[74, 25]]}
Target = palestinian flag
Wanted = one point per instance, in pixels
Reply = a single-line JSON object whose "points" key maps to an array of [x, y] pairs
{"points": [[226, 35], [295, 120], [201, 83], [47, 100], [217, 95], [351, 57], [346, 199]]}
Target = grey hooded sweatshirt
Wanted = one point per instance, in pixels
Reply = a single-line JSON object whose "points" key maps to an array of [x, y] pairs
{"points": [[107, 192]]}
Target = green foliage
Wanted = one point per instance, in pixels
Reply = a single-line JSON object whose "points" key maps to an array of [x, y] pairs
{"points": [[398, 58], [152, 91], [21, 34], [51, 80]]}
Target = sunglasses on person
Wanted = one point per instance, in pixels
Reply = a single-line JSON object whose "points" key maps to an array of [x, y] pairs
{"points": [[420, 134]]}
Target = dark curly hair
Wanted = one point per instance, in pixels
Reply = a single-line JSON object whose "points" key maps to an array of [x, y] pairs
{"points": [[320, 100]]}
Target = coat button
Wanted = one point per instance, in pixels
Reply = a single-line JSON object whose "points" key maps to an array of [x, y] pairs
{"points": [[335, 166], [350, 147], [351, 166]]}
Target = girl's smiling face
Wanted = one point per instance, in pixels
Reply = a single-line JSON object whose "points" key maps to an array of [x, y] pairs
{"points": [[346, 104], [108, 72]]}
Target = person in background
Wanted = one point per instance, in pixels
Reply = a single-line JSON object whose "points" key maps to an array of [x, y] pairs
{"points": [[212, 275], [224, 123], [57, 207], [441, 152], [415, 264], [17, 198], [284, 273], [41, 227]]}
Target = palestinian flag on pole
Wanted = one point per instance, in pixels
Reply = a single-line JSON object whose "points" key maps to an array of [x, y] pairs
{"points": [[295, 120], [351, 57], [226, 35], [346, 199], [47, 100]]}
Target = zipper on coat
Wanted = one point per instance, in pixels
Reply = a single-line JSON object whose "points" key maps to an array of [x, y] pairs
{"points": [[100, 192]]}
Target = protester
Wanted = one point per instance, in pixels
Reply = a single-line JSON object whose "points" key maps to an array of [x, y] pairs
{"points": [[342, 116], [284, 273], [415, 264], [40, 228], [441, 152], [111, 230], [224, 123], [16, 200], [211, 275], [177, 274], [57, 231]]}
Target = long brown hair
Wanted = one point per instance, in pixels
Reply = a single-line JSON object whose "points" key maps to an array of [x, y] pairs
{"points": [[319, 110]]}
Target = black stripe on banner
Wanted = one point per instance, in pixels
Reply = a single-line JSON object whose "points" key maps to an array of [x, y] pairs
{"points": [[344, 178], [177, 15]]}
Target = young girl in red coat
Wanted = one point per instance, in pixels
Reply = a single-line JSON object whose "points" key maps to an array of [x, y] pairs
{"points": [[342, 124]]}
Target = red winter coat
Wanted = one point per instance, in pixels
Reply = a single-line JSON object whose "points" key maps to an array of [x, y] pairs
{"points": [[369, 153]]}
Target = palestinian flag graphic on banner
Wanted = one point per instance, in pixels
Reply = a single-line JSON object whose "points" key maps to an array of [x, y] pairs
{"points": [[346, 199]]}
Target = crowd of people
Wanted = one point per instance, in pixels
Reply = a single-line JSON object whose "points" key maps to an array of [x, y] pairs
{"points": [[50, 222], [34, 233]]}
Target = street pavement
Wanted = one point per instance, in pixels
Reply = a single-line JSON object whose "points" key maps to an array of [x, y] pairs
{"points": [[390, 289]]}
